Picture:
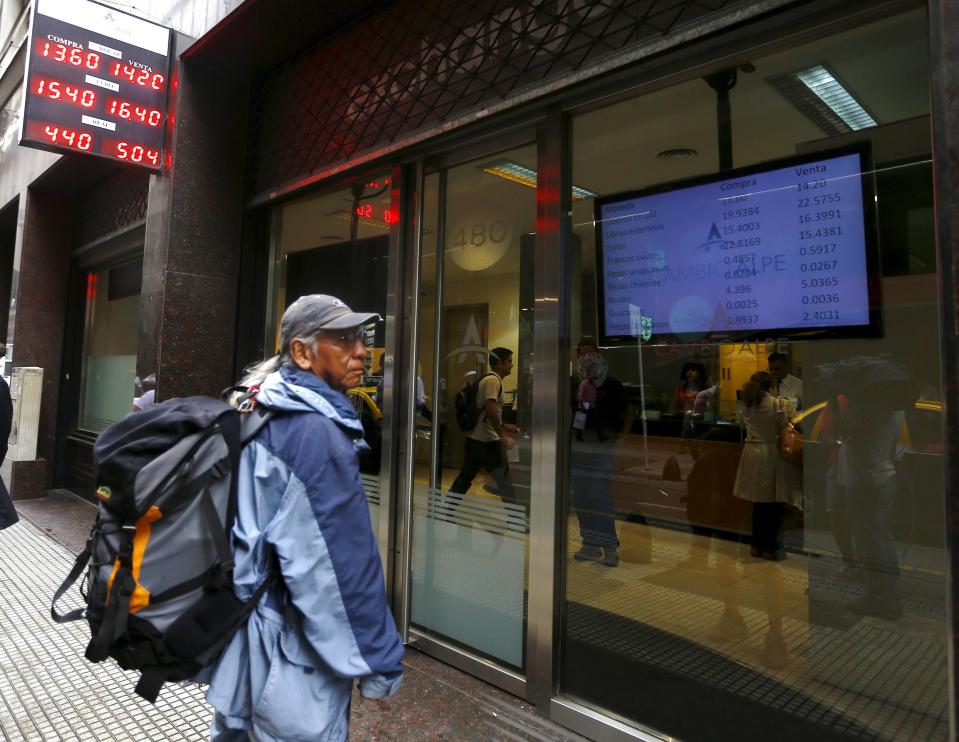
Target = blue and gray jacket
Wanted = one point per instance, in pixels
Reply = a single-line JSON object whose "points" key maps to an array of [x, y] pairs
{"points": [[288, 674]]}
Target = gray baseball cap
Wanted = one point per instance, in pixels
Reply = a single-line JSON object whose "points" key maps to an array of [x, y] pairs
{"points": [[319, 312]]}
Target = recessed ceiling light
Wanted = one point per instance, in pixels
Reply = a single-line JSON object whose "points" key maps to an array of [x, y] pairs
{"points": [[523, 175], [677, 152]]}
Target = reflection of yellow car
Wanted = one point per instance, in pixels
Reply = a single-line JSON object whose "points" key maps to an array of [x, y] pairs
{"points": [[364, 395], [925, 405]]}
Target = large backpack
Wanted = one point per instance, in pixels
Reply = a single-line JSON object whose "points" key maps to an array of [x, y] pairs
{"points": [[159, 590], [468, 413]]}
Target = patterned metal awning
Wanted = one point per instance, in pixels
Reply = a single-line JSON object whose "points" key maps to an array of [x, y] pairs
{"points": [[415, 63]]}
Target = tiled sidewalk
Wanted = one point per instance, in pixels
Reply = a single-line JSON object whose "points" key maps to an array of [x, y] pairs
{"points": [[49, 691]]}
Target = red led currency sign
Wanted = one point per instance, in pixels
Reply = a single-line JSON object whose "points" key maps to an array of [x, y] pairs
{"points": [[68, 55], [130, 152], [134, 112], [368, 211], [61, 91], [68, 137], [143, 78]]}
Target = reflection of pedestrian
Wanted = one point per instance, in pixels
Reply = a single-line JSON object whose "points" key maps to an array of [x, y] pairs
{"points": [[146, 392], [484, 447], [866, 472], [8, 514], [837, 499], [592, 462], [877, 392], [761, 477]]}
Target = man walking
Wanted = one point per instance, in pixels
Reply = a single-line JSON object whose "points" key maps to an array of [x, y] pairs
{"points": [[485, 447], [302, 520]]}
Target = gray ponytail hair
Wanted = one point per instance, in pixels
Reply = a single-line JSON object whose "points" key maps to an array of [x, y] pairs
{"points": [[256, 373]]}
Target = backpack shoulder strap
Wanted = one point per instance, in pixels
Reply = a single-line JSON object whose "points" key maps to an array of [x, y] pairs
{"points": [[253, 422]]}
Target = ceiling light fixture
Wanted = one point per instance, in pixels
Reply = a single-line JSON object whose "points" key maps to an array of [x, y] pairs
{"points": [[818, 93], [668, 154], [825, 85], [524, 176]]}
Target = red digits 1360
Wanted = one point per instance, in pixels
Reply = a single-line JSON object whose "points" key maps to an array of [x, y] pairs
{"points": [[69, 55], [143, 78]]}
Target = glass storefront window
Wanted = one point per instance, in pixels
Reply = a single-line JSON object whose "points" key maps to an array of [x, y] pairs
{"points": [[472, 486], [801, 600], [110, 335], [337, 243]]}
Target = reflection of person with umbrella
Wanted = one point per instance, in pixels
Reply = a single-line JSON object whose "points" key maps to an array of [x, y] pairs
{"points": [[877, 392]]}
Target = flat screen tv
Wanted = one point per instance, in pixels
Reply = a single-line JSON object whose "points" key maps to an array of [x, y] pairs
{"points": [[782, 250]]}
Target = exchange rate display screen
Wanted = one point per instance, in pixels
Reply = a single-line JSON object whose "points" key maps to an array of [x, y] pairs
{"points": [[96, 83], [787, 249]]}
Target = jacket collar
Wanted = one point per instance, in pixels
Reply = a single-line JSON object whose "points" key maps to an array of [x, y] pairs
{"points": [[295, 390]]}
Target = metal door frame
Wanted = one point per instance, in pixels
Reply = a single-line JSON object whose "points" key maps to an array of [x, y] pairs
{"points": [[537, 684]]}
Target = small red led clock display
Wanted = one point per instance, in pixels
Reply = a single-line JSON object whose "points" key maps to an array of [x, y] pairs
{"points": [[96, 83]]}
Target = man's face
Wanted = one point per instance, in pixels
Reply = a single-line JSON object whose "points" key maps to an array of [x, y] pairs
{"points": [[504, 367], [338, 357], [778, 369]]}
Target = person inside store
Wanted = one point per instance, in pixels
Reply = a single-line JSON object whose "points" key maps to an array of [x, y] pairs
{"points": [[597, 426], [692, 381], [785, 385], [762, 477], [486, 445]]}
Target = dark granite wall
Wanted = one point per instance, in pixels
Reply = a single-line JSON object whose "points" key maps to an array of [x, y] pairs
{"points": [[193, 240], [41, 269]]}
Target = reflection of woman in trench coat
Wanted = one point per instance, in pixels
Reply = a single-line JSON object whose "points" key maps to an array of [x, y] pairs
{"points": [[8, 514], [763, 478]]}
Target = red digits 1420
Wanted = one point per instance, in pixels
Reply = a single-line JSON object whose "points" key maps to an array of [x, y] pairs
{"points": [[143, 78]]}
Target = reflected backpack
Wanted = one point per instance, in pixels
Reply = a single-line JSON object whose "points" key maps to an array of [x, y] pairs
{"points": [[159, 589], [467, 412]]}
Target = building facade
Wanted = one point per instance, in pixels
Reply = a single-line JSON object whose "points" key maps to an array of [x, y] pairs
{"points": [[568, 180]]}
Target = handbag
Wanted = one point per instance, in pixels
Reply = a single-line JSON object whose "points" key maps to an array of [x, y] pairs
{"points": [[790, 441]]}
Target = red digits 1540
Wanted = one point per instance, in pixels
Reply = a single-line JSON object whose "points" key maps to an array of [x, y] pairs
{"points": [[61, 91]]}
